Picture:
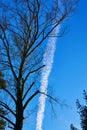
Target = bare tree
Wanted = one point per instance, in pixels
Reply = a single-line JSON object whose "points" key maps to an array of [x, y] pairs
{"points": [[25, 26]]}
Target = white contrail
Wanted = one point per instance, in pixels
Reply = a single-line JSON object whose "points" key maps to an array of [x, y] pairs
{"points": [[48, 61]]}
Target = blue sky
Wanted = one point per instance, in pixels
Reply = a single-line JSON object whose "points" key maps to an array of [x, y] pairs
{"points": [[69, 73]]}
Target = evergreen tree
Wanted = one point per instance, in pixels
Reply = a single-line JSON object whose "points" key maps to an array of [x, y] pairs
{"points": [[72, 127], [82, 109]]}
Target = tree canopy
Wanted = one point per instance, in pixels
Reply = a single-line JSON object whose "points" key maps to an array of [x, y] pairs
{"points": [[82, 110], [25, 26]]}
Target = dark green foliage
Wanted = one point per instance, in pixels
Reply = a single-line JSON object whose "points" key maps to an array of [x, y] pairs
{"points": [[2, 81], [82, 109], [2, 122]]}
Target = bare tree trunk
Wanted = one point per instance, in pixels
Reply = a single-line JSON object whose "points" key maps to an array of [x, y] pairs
{"points": [[19, 110]]}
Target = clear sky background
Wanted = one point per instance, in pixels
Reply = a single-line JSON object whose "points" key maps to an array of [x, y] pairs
{"points": [[69, 74]]}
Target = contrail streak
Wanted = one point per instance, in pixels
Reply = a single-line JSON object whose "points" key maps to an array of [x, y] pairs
{"points": [[48, 61]]}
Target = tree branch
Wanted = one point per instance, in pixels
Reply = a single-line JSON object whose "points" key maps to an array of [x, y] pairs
{"points": [[8, 120], [44, 37], [28, 90], [43, 93], [29, 99], [33, 95], [33, 71], [7, 50], [10, 95], [7, 107]]}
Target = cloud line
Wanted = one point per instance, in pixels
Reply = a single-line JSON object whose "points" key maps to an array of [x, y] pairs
{"points": [[48, 61]]}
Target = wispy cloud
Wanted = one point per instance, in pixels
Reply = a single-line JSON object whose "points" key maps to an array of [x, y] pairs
{"points": [[48, 61]]}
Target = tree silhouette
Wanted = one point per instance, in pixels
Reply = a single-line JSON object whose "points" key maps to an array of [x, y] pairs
{"points": [[82, 110], [73, 128], [2, 112], [25, 26]]}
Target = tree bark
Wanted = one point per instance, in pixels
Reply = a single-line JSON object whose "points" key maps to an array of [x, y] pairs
{"points": [[19, 111]]}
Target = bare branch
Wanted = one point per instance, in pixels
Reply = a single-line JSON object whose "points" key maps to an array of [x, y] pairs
{"points": [[8, 120], [49, 96], [33, 95], [28, 90], [7, 50], [44, 38], [33, 71], [30, 98], [7, 107], [9, 93]]}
